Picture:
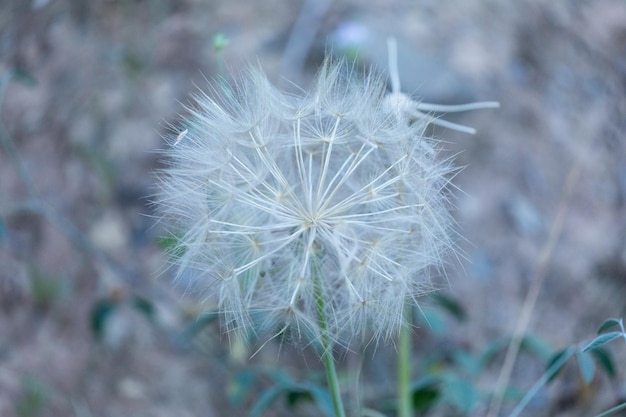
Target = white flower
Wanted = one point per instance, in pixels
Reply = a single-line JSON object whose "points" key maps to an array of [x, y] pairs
{"points": [[282, 201]]}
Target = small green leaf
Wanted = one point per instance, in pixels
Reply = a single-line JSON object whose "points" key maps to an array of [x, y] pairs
{"points": [[432, 320], [323, 399], [425, 397], [267, 399], [609, 323], [46, 289], [144, 306], [530, 343], [192, 329], [460, 393], [24, 77], [491, 351], [467, 362], [586, 366], [603, 358], [99, 314], [220, 41], [556, 363], [450, 305], [602, 339], [240, 386], [536, 346], [294, 396], [280, 377], [430, 380]]}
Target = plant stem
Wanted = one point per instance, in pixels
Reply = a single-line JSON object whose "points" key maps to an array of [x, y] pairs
{"points": [[327, 353], [331, 376], [613, 410], [405, 404]]}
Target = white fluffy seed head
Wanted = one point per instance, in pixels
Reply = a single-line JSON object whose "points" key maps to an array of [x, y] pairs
{"points": [[278, 199]]}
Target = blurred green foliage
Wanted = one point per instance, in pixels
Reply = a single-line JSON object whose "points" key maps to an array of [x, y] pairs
{"points": [[33, 398], [46, 289]]}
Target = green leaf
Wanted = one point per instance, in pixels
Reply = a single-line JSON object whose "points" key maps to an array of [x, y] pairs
{"points": [[450, 305], [467, 362], [536, 346], [491, 351], [240, 386], [586, 366], [609, 323], [294, 393], [220, 41], [24, 77], [430, 380], [100, 312], [602, 339], [144, 306], [267, 399], [460, 393], [603, 358], [46, 289], [556, 363], [432, 320], [193, 328], [425, 397], [530, 343], [294, 396], [322, 398]]}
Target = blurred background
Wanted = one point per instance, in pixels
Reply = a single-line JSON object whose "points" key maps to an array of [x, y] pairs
{"points": [[90, 324]]}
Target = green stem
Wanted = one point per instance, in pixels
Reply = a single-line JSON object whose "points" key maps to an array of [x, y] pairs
{"points": [[405, 403], [613, 410], [327, 353], [543, 381]]}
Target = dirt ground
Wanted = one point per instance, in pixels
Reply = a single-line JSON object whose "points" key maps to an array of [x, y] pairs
{"points": [[90, 325]]}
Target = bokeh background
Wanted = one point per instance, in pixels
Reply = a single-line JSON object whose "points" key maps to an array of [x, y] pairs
{"points": [[90, 324]]}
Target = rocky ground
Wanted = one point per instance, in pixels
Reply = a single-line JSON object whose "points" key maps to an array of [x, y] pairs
{"points": [[89, 323]]}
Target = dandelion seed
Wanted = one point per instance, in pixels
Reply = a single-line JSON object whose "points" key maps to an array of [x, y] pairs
{"points": [[405, 108], [283, 199], [181, 136]]}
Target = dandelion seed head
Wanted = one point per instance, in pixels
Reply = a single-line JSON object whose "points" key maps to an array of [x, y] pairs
{"points": [[280, 198]]}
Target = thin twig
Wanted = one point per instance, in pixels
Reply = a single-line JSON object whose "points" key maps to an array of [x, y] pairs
{"points": [[533, 292]]}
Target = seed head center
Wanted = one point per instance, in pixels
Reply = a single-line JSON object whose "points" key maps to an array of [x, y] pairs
{"points": [[314, 220]]}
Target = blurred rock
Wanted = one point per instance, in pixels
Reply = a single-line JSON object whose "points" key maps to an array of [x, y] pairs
{"points": [[110, 232], [425, 74]]}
